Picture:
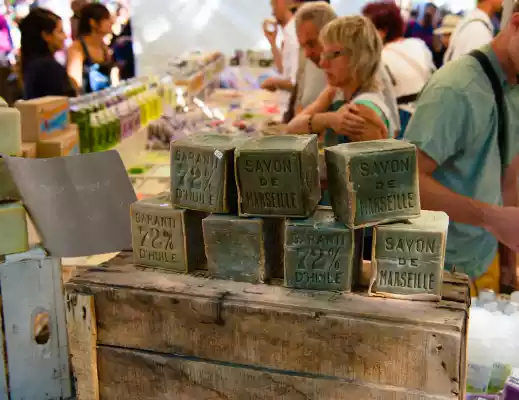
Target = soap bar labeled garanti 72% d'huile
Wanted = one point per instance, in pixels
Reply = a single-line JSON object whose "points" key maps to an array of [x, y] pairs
{"points": [[242, 249], [167, 237], [321, 253], [202, 172], [373, 182], [278, 176], [408, 257]]}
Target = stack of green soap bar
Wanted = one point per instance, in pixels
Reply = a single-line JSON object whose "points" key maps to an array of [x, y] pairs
{"points": [[320, 253], [11, 135], [408, 257], [8, 189], [373, 182], [202, 172], [13, 229], [236, 248], [166, 237], [278, 176]]}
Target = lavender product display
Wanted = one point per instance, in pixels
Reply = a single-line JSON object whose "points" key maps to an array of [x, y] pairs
{"points": [[511, 391]]}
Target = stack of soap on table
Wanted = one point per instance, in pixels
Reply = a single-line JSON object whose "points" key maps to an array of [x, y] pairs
{"points": [[246, 209]]}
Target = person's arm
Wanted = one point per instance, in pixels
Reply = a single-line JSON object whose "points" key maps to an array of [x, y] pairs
{"points": [[272, 37], [75, 61], [274, 83], [321, 119], [364, 122]]}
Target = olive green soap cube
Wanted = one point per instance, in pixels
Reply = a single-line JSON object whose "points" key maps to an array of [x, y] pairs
{"points": [[236, 248], [202, 172], [408, 257], [373, 182], [13, 229], [166, 237], [320, 253], [8, 189], [278, 176]]}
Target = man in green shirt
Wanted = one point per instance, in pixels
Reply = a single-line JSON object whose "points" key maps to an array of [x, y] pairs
{"points": [[455, 128]]}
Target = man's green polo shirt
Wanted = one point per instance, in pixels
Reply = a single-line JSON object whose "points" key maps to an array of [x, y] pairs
{"points": [[455, 124]]}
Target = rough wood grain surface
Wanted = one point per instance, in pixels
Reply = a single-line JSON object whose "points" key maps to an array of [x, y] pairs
{"points": [[411, 345], [172, 377], [82, 333]]}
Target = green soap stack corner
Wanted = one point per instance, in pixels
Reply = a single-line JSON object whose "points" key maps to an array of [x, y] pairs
{"points": [[13, 229], [278, 176]]}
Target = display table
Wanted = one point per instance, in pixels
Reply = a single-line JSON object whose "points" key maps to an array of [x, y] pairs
{"points": [[143, 334]]}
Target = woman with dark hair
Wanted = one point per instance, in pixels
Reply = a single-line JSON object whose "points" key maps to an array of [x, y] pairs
{"points": [[408, 61], [90, 61], [41, 37]]}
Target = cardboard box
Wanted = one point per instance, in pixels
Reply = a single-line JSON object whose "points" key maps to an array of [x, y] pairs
{"points": [[43, 118], [28, 150], [66, 144]]}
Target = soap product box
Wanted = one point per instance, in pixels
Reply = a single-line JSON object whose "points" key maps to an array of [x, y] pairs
{"points": [[65, 144], [242, 249], [10, 136], [373, 182], [29, 150], [13, 229], [167, 237], [43, 118], [511, 390], [278, 176], [408, 257], [321, 253], [202, 172]]}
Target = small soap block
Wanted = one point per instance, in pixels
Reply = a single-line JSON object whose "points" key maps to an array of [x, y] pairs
{"points": [[373, 182], [44, 117], [13, 229], [64, 144], [8, 189], [202, 172], [278, 176], [167, 237], [29, 150], [237, 249], [408, 257], [320, 253], [511, 391], [10, 137]]}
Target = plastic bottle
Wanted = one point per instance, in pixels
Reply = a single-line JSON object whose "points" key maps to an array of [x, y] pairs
{"points": [[503, 347], [480, 354]]}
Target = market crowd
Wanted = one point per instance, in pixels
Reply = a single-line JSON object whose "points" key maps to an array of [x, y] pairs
{"points": [[100, 53], [447, 83]]}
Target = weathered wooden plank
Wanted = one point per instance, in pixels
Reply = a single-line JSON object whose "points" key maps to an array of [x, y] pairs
{"points": [[82, 333], [165, 377], [35, 333], [412, 345]]}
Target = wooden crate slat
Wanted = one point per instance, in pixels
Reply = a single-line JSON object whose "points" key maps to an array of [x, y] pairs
{"points": [[82, 333]]}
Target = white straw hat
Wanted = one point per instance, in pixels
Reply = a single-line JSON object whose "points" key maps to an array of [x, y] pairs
{"points": [[448, 25]]}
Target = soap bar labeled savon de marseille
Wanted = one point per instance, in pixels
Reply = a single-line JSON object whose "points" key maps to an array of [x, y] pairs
{"points": [[13, 229], [202, 172], [10, 136], [408, 257], [166, 237], [373, 182], [278, 176], [237, 249], [320, 253]]}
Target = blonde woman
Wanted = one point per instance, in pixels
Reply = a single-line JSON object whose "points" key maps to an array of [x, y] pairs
{"points": [[351, 108]]}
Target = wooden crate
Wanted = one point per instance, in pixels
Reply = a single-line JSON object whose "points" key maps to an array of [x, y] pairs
{"points": [[149, 335]]}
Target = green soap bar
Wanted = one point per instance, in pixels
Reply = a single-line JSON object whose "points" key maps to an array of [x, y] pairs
{"points": [[236, 248], [320, 253], [13, 229], [278, 176], [202, 172], [11, 136], [373, 182], [8, 189], [408, 257], [166, 237]]}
